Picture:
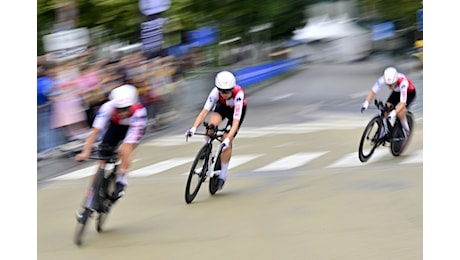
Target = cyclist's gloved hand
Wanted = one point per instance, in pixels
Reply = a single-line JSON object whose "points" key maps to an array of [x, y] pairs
{"points": [[83, 156], [364, 106], [226, 143], [190, 132]]}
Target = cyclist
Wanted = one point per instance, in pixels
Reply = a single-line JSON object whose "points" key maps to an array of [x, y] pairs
{"points": [[124, 119], [226, 100], [402, 95]]}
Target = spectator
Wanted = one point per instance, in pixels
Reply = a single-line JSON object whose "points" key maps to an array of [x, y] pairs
{"points": [[44, 86], [91, 90], [67, 112]]}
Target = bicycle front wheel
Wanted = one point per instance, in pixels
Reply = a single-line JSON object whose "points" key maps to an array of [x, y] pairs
{"points": [[107, 189], [369, 139], [197, 174], [81, 226]]}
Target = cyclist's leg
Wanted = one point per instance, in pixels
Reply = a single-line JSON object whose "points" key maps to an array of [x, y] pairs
{"points": [[227, 153], [403, 115], [114, 135], [216, 117]]}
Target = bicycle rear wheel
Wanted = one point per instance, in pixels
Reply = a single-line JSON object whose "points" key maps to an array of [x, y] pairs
{"points": [[369, 139], [399, 138], [197, 174]]}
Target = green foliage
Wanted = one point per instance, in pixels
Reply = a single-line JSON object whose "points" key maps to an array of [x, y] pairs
{"points": [[120, 19]]}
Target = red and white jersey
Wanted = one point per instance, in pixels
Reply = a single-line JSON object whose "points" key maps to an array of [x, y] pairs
{"points": [[137, 121], [237, 101], [403, 85]]}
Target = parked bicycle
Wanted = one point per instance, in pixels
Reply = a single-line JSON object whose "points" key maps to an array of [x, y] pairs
{"points": [[380, 132], [99, 200], [206, 164]]}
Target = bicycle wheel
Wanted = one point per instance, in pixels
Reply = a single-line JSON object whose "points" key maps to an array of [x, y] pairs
{"points": [[81, 226], [197, 174], [399, 139], [213, 187], [369, 139], [107, 188]]}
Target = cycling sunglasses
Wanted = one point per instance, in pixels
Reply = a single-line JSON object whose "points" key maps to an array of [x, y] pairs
{"points": [[225, 91], [123, 109]]}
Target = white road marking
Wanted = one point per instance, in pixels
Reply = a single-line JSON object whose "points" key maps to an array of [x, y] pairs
{"points": [[159, 167], [290, 162], [282, 97], [238, 160], [352, 160]]}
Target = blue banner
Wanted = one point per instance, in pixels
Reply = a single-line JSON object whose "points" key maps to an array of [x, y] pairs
{"points": [[255, 74], [383, 31], [203, 36], [420, 20]]}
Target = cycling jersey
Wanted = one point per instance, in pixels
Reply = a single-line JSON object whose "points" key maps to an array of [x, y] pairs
{"points": [[404, 85], [237, 101], [136, 122]]}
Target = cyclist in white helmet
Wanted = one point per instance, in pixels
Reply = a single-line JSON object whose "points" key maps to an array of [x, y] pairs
{"points": [[124, 118], [226, 100], [402, 95]]}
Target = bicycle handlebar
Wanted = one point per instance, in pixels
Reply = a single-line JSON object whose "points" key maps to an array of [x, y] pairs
{"points": [[381, 105], [105, 153], [215, 134]]}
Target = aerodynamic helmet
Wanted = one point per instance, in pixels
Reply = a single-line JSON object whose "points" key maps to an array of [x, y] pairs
{"points": [[225, 80]]}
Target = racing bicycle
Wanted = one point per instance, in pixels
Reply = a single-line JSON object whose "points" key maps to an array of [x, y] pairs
{"points": [[377, 134], [98, 200], [206, 164]]}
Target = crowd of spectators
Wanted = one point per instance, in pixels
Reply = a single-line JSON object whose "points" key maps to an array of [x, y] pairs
{"points": [[69, 92]]}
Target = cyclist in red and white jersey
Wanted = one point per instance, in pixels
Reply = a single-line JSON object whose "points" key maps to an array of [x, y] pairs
{"points": [[402, 95], [124, 119], [226, 100]]}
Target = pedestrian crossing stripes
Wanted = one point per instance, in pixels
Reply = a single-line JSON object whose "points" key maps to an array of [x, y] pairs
{"points": [[287, 162], [292, 161]]}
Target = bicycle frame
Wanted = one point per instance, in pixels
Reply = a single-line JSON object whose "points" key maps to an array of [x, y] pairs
{"points": [[394, 134], [206, 163], [213, 160], [100, 175], [98, 198], [216, 134]]}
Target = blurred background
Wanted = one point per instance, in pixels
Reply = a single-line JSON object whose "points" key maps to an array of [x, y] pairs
{"points": [[171, 49]]}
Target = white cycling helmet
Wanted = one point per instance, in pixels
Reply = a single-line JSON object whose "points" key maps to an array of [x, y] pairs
{"points": [[225, 80], [124, 96], [391, 75]]}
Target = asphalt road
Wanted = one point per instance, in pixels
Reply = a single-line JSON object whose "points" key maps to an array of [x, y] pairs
{"points": [[296, 189]]}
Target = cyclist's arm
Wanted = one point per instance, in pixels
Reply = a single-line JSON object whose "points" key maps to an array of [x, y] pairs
{"points": [[375, 89], [201, 116], [370, 96], [237, 112], [404, 85], [136, 130], [100, 122], [208, 105], [88, 145], [235, 124]]}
